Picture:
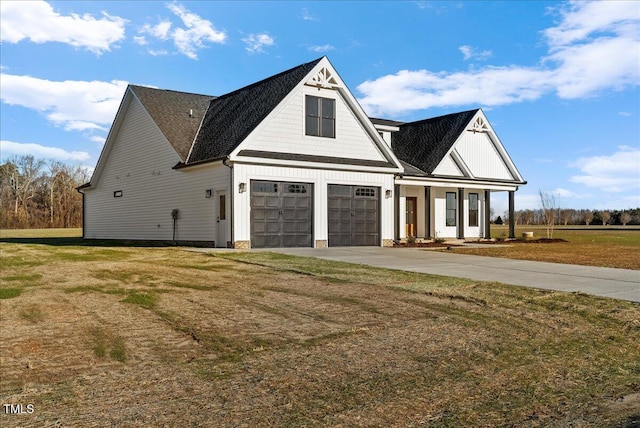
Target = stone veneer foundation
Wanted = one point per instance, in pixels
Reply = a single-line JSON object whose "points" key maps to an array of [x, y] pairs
{"points": [[242, 245]]}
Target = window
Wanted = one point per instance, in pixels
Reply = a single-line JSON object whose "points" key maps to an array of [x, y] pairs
{"points": [[222, 207], [320, 117], [473, 209], [264, 187], [451, 209], [296, 188], [369, 192]]}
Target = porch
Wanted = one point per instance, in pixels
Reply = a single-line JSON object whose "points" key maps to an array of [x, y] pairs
{"points": [[427, 211]]}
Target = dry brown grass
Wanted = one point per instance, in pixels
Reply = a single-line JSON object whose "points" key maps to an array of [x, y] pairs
{"points": [[598, 246], [153, 337]]}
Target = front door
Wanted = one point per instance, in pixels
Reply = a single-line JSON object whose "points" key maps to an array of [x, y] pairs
{"points": [[411, 227], [221, 219]]}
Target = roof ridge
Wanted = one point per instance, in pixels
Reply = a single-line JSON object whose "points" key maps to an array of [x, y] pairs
{"points": [[421, 121], [267, 79], [131, 85]]}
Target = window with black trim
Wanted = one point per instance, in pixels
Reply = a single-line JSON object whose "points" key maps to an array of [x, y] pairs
{"points": [[451, 209], [473, 209], [320, 117], [296, 188], [369, 192]]}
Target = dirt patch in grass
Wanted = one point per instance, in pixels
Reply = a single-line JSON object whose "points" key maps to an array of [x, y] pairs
{"points": [[616, 248], [163, 337]]}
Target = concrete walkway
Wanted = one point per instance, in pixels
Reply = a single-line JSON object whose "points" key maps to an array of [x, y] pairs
{"points": [[607, 282]]}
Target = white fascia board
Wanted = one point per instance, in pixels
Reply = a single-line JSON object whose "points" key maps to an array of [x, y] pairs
{"points": [[388, 128], [313, 165], [113, 132], [453, 183]]}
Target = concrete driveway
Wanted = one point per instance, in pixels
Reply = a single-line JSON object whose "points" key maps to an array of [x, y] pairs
{"points": [[607, 282]]}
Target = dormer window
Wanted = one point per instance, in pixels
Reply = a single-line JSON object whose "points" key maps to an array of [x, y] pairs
{"points": [[320, 117]]}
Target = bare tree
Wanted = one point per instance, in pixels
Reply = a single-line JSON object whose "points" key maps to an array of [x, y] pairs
{"points": [[31, 197], [566, 215], [605, 216], [549, 210], [587, 217], [625, 218]]}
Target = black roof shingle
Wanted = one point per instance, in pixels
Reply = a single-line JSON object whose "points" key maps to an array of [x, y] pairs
{"points": [[177, 114], [231, 117], [423, 144]]}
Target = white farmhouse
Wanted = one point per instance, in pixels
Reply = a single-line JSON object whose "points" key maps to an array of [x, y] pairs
{"points": [[292, 160]]}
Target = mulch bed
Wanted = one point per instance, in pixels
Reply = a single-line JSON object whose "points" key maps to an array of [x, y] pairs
{"points": [[424, 245], [520, 241]]}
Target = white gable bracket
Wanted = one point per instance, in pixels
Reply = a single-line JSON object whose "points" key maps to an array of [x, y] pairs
{"points": [[323, 79]]}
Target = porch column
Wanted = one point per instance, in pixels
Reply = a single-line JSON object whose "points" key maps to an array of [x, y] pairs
{"points": [[396, 212], [487, 214], [427, 212], [460, 213], [512, 217]]}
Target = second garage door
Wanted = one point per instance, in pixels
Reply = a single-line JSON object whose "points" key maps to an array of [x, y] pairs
{"points": [[281, 214], [354, 215]]}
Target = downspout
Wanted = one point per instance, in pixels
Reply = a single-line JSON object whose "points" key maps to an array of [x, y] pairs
{"points": [[83, 210], [231, 194]]}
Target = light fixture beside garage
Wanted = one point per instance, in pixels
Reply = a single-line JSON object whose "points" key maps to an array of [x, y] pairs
{"points": [[208, 193], [242, 187], [388, 193]]}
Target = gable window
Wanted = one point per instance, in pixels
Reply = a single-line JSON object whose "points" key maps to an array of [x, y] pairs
{"points": [[320, 116], [473, 209], [451, 209]]}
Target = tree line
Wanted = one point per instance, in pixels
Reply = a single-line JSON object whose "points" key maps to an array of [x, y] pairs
{"points": [[568, 216], [36, 193]]}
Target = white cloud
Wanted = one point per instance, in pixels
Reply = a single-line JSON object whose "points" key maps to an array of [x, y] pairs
{"points": [[469, 52], [624, 113], [39, 23], [308, 16], [98, 140], [256, 42], [321, 49], [72, 104], [618, 172], [594, 48], [414, 90], [195, 35], [56, 153]]}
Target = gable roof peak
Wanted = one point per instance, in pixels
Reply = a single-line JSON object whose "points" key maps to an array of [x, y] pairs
{"points": [[230, 118]]}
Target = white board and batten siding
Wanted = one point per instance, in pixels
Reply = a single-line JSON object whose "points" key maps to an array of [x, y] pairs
{"points": [[321, 179], [479, 154], [283, 131], [140, 165]]}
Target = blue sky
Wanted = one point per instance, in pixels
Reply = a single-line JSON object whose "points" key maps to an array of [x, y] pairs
{"points": [[559, 81]]}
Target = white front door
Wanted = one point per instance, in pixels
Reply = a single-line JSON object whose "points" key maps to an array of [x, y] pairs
{"points": [[221, 219]]}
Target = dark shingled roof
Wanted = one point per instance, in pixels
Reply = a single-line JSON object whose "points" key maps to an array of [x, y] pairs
{"points": [[424, 144], [231, 117], [387, 122], [170, 111]]}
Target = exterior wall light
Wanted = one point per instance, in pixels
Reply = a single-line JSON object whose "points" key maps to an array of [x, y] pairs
{"points": [[387, 193], [242, 187]]}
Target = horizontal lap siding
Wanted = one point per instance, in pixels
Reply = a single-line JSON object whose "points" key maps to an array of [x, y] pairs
{"points": [[283, 131], [140, 165]]}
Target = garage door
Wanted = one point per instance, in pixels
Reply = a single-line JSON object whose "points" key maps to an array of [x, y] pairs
{"points": [[353, 215], [281, 214]]}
